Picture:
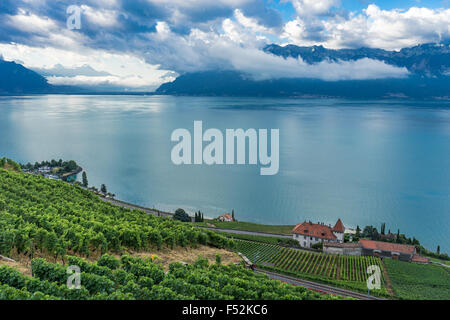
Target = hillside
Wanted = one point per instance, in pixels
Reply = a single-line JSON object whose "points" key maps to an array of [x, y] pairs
{"points": [[50, 225], [16, 79]]}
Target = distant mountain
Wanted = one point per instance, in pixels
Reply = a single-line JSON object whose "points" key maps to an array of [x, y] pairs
{"points": [[432, 59], [61, 71], [232, 83], [429, 65], [16, 79]]}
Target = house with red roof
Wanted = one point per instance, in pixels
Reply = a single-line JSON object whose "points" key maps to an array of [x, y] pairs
{"points": [[387, 249], [308, 233], [225, 217]]}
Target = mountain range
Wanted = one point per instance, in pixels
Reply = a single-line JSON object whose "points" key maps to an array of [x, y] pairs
{"points": [[428, 66]]}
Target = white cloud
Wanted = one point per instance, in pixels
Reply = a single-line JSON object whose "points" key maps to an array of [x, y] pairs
{"points": [[126, 70], [137, 83], [262, 66], [314, 7], [30, 22], [207, 50], [387, 29], [103, 18]]}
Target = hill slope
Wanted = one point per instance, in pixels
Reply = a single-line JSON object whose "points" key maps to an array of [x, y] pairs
{"points": [[16, 79]]}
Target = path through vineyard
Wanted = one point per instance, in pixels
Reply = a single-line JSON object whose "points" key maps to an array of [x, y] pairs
{"points": [[387, 283]]}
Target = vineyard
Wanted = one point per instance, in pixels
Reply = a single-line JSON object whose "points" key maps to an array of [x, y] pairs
{"points": [[347, 270], [42, 215], [133, 278], [418, 281]]}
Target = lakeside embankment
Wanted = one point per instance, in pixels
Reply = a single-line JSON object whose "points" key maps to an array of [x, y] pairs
{"points": [[132, 206]]}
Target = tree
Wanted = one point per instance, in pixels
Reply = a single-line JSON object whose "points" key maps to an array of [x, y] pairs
{"points": [[232, 214], [383, 227], [181, 215], [438, 250], [398, 236], [85, 180], [358, 231], [103, 189]]}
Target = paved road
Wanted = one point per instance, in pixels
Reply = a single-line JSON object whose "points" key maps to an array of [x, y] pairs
{"points": [[132, 207], [250, 232], [318, 286]]}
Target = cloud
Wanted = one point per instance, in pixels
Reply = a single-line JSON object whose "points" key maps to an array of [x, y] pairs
{"points": [[154, 37], [376, 28], [204, 51], [131, 83], [314, 7], [262, 66], [89, 67]]}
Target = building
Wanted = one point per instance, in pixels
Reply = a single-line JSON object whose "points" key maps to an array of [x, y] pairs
{"points": [[420, 259], [389, 250], [225, 217], [307, 233], [349, 249], [44, 169]]}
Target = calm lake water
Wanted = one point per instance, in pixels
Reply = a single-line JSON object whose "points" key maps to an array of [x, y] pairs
{"points": [[366, 162]]}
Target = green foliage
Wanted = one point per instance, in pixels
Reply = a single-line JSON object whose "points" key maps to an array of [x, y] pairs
{"points": [[52, 216], [142, 279], [418, 281], [349, 271], [85, 179], [9, 164], [181, 215]]}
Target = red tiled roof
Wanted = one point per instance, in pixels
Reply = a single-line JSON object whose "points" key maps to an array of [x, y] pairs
{"points": [[418, 258], [387, 246], [314, 230], [226, 216], [342, 245], [339, 226]]}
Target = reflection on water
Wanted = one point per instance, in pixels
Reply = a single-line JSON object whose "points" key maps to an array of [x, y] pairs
{"points": [[366, 162]]}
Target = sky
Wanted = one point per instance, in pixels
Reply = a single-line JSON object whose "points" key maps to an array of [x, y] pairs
{"points": [[138, 45]]}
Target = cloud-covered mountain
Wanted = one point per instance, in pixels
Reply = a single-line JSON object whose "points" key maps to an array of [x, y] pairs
{"points": [[17, 79], [427, 75], [60, 71], [432, 59]]}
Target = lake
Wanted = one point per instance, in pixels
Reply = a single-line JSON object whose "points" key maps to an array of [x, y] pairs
{"points": [[366, 162]]}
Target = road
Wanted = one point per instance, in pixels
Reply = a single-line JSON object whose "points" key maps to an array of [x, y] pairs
{"points": [[136, 207], [276, 235], [295, 281], [318, 286]]}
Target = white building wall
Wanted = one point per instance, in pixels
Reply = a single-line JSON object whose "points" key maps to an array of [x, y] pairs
{"points": [[307, 241], [339, 236]]}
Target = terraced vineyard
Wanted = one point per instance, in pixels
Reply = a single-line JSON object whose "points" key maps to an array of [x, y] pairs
{"points": [[258, 252], [348, 270], [132, 278]]}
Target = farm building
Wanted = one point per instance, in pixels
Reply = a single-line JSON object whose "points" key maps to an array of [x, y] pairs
{"points": [[348, 249], [308, 233], [225, 217], [386, 249]]}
